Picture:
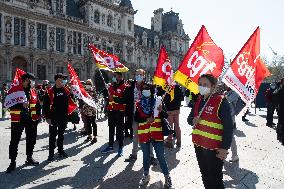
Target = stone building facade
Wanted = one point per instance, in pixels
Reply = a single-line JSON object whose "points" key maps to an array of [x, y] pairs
{"points": [[41, 36]]}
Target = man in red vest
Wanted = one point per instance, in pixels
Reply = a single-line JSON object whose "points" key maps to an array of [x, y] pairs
{"points": [[24, 116], [116, 109], [57, 105]]}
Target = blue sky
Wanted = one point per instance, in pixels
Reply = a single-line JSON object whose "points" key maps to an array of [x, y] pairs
{"points": [[230, 23]]}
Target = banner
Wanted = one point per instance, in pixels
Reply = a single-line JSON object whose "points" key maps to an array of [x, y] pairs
{"points": [[203, 57], [247, 70], [16, 93], [164, 73], [77, 88], [107, 61]]}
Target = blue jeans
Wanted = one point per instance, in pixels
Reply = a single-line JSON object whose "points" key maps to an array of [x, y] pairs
{"points": [[160, 153]]}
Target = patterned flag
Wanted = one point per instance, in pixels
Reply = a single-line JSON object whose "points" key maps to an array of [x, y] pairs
{"points": [[107, 61], [77, 88], [164, 73], [16, 93], [203, 57], [247, 70]]}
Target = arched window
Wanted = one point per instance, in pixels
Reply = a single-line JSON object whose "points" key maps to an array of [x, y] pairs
{"points": [[119, 24], [103, 19], [109, 21], [97, 17]]}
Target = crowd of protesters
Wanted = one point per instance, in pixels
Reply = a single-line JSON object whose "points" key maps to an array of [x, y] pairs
{"points": [[135, 109]]}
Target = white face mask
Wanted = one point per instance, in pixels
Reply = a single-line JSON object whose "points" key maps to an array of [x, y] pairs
{"points": [[146, 93], [139, 78], [32, 84], [64, 82], [203, 90], [88, 87]]}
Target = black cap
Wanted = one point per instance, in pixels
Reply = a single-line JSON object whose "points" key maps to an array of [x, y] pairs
{"points": [[60, 75], [28, 75]]}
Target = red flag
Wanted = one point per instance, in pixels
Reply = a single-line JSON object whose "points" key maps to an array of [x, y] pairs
{"points": [[203, 57], [164, 73], [78, 89], [247, 71], [16, 93], [107, 61]]}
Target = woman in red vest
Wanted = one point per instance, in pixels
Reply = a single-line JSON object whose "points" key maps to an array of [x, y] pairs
{"points": [[212, 132], [150, 132]]}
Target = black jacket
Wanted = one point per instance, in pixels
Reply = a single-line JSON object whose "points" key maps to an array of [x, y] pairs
{"points": [[59, 109], [278, 98], [176, 102], [129, 93]]}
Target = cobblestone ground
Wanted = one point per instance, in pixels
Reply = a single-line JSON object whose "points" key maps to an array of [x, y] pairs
{"points": [[261, 162]]}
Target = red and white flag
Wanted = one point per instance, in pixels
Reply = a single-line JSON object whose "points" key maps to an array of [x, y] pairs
{"points": [[203, 57], [107, 61], [164, 73], [247, 70], [77, 88], [16, 93]]}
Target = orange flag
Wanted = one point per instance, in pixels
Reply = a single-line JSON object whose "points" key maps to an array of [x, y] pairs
{"points": [[247, 70], [203, 57], [164, 73], [106, 61]]}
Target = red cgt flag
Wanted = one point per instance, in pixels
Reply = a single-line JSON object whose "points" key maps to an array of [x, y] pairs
{"points": [[77, 88], [106, 61], [247, 70], [203, 57], [164, 73], [16, 93]]}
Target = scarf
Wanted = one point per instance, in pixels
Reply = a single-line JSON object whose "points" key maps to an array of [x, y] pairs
{"points": [[147, 105]]}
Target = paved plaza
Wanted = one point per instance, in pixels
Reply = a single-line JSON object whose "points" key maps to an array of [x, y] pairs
{"points": [[261, 162]]}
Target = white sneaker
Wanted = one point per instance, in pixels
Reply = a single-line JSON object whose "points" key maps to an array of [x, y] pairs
{"points": [[234, 159], [144, 180]]}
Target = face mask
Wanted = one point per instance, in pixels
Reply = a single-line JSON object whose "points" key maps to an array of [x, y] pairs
{"points": [[203, 90], [139, 78], [146, 93], [114, 79], [64, 82], [272, 86], [32, 84], [88, 86]]}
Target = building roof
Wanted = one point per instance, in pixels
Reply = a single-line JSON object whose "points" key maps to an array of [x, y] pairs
{"points": [[139, 30], [170, 21], [72, 9], [126, 3]]}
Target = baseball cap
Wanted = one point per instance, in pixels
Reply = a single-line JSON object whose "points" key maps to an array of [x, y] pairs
{"points": [[60, 75]]}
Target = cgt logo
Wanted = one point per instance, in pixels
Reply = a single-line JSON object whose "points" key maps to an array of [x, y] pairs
{"points": [[197, 63], [209, 109], [167, 69]]}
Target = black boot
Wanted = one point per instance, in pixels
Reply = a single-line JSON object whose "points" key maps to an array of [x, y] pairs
{"points": [[11, 167], [31, 162], [50, 156]]}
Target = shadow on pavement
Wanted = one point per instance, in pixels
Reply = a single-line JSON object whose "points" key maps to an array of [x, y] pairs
{"points": [[171, 159], [239, 176], [128, 178], [4, 119], [25, 176], [239, 133], [250, 124], [89, 176]]}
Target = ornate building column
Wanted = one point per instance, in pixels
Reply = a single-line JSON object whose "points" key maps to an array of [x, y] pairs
{"points": [[31, 43], [8, 51], [8, 63], [51, 42]]}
